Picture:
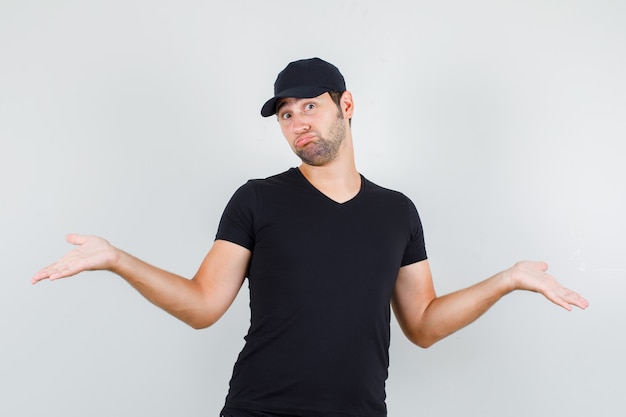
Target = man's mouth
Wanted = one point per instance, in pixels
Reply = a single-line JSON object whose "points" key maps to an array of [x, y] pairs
{"points": [[304, 140]]}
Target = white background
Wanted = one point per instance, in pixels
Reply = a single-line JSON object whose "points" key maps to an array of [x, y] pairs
{"points": [[504, 121]]}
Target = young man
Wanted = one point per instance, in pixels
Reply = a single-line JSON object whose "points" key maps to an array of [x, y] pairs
{"points": [[326, 253]]}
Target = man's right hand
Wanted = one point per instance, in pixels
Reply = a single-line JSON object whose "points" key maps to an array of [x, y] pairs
{"points": [[91, 253]]}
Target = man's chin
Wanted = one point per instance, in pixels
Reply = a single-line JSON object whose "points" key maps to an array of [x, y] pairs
{"points": [[315, 161]]}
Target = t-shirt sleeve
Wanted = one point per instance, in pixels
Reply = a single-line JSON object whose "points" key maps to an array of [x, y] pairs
{"points": [[416, 248], [237, 222]]}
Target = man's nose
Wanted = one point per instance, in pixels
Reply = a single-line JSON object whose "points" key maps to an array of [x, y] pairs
{"points": [[300, 123]]}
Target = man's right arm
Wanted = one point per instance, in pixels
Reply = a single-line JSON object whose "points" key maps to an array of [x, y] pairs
{"points": [[199, 302]]}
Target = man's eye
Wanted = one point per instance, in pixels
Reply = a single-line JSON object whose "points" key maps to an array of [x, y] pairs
{"points": [[309, 106], [285, 116]]}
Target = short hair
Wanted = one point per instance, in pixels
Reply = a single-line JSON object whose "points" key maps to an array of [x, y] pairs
{"points": [[336, 97]]}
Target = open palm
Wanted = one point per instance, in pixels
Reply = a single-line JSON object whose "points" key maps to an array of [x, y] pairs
{"points": [[91, 253]]}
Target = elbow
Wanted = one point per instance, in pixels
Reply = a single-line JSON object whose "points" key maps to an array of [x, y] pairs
{"points": [[424, 343], [199, 322], [199, 325], [423, 340]]}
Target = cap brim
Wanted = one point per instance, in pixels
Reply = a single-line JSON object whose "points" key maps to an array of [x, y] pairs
{"points": [[269, 108]]}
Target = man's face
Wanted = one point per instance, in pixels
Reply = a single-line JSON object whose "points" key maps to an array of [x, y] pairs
{"points": [[314, 127]]}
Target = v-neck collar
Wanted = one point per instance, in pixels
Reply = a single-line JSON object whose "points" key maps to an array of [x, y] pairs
{"points": [[326, 197]]}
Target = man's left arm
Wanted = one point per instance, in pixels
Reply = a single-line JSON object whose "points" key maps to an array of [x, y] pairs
{"points": [[425, 318]]}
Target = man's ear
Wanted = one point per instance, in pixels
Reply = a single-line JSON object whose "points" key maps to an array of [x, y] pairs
{"points": [[347, 104]]}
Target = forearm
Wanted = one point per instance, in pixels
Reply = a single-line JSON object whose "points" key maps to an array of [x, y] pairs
{"points": [[179, 296], [446, 314]]}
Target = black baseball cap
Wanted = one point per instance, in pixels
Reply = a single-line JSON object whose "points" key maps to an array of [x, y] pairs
{"points": [[305, 78]]}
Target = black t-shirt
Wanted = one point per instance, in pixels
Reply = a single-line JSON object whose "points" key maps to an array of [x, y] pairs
{"points": [[321, 278]]}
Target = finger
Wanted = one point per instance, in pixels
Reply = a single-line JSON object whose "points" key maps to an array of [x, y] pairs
{"points": [[542, 266], [558, 298], [43, 273], [570, 298], [75, 239], [63, 268], [578, 300], [39, 276], [61, 273], [564, 304]]}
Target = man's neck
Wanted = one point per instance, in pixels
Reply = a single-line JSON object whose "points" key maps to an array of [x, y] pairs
{"points": [[339, 179]]}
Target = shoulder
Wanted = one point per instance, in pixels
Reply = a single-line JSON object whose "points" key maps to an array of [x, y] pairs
{"points": [[285, 178], [374, 190], [275, 189], [391, 201], [253, 185]]}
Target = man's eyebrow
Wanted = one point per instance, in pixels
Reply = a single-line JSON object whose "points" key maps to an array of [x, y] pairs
{"points": [[284, 101], [280, 104]]}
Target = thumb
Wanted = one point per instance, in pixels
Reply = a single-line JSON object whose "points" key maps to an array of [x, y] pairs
{"points": [[534, 265], [543, 267], [75, 239]]}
